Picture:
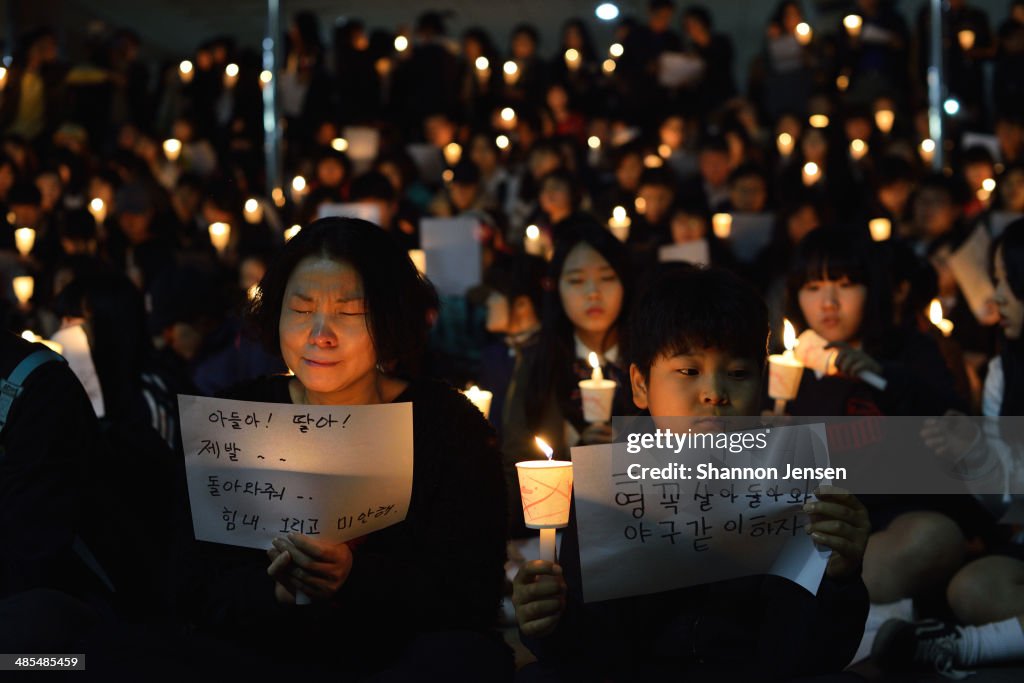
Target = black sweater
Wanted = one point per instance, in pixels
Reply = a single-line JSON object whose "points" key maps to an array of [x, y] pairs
{"points": [[441, 568]]}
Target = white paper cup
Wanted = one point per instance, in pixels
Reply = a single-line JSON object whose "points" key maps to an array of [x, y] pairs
{"points": [[546, 490], [784, 377], [597, 399]]}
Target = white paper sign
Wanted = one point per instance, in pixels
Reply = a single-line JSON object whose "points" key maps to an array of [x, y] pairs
{"points": [[452, 248], [76, 351], [676, 69], [364, 210], [695, 252], [969, 264], [751, 232], [260, 470], [640, 537]]}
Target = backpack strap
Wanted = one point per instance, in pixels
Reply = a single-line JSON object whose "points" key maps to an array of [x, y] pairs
{"points": [[11, 386]]}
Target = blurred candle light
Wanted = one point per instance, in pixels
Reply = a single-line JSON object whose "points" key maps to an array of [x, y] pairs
{"points": [[220, 235], [339, 144], [419, 259], [966, 39], [533, 244], [884, 118], [185, 71], [842, 82], [508, 117], [401, 43], [511, 72], [818, 121], [230, 75], [24, 287], [252, 292], [988, 184], [803, 33], [502, 142], [253, 210], [98, 209], [482, 63], [452, 153], [811, 173], [620, 223], [653, 161], [880, 228], [785, 144], [292, 232], [594, 142], [298, 188], [721, 225], [927, 150], [664, 151], [853, 24], [447, 175], [480, 398], [608, 66], [935, 316], [277, 194], [24, 240], [30, 336], [615, 50], [858, 149], [572, 59], [172, 149]]}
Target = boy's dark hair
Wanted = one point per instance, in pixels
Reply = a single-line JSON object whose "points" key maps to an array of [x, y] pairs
{"points": [[893, 169], [658, 177], [398, 299], [685, 307]]}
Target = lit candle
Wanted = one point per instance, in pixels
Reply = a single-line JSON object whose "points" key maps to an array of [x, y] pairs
{"points": [[653, 161], [784, 371], [291, 232], [842, 82], [858, 149], [185, 71], [616, 50], [532, 244], [853, 24], [172, 149], [452, 153], [252, 292], [502, 142], [927, 150], [253, 210], [508, 118], [785, 144], [277, 194], [811, 173], [30, 336], [24, 239], [483, 69], [884, 118], [572, 59], [511, 71], [881, 229], [24, 286], [608, 66], [721, 225], [98, 209], [594, 142], [266, 77], [298, 188], [546, 490], [664, 151], [597, 393], [935, 315], [620, 223], [480, 398], [818, 121], [230, 75], [401, 43], [220, 234], [966, 39], [803, 33], [419, 259], [339, 144]]}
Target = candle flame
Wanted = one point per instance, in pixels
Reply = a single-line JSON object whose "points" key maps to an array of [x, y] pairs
{"points": [[619, 213], [291, 232], [532, 232], [593, 360], [507, 114], [473, 392], [482, 63], [510, 68], [789, 339], [185, 67], [616, 50], [935, 312], [298, 183], [231, 70], [251, 205], [29, 335], [96, 204], [852, 22], [544, 447]]}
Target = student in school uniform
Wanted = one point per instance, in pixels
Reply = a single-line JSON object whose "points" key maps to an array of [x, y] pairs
{"points": [[698, 348]]}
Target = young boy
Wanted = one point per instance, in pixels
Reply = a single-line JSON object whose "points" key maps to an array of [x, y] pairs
{"points": [[698, 348]]}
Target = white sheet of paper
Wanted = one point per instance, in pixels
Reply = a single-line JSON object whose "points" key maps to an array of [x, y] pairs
{"points": [[986, 140], [676, 69], [76, 351], [626, 527], [695, 252], [969, 264], [260, 470], [751, 232], [364, 210], [429, 161], [363, 145], [998, 220], [453, 251]]}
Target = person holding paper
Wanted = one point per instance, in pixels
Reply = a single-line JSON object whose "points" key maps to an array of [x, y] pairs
{"points": [[584, 307], [698, 348], [349, 314]]}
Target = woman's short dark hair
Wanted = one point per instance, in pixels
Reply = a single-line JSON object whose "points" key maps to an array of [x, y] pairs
{"points": [[398, 299], [685, 308]]}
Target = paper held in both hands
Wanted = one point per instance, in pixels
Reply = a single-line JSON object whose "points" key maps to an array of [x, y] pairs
{"points": [[647, 536], [257, 471]]}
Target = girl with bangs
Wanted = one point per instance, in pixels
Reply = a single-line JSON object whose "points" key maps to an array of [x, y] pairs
{"points": [[838, 286]]}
